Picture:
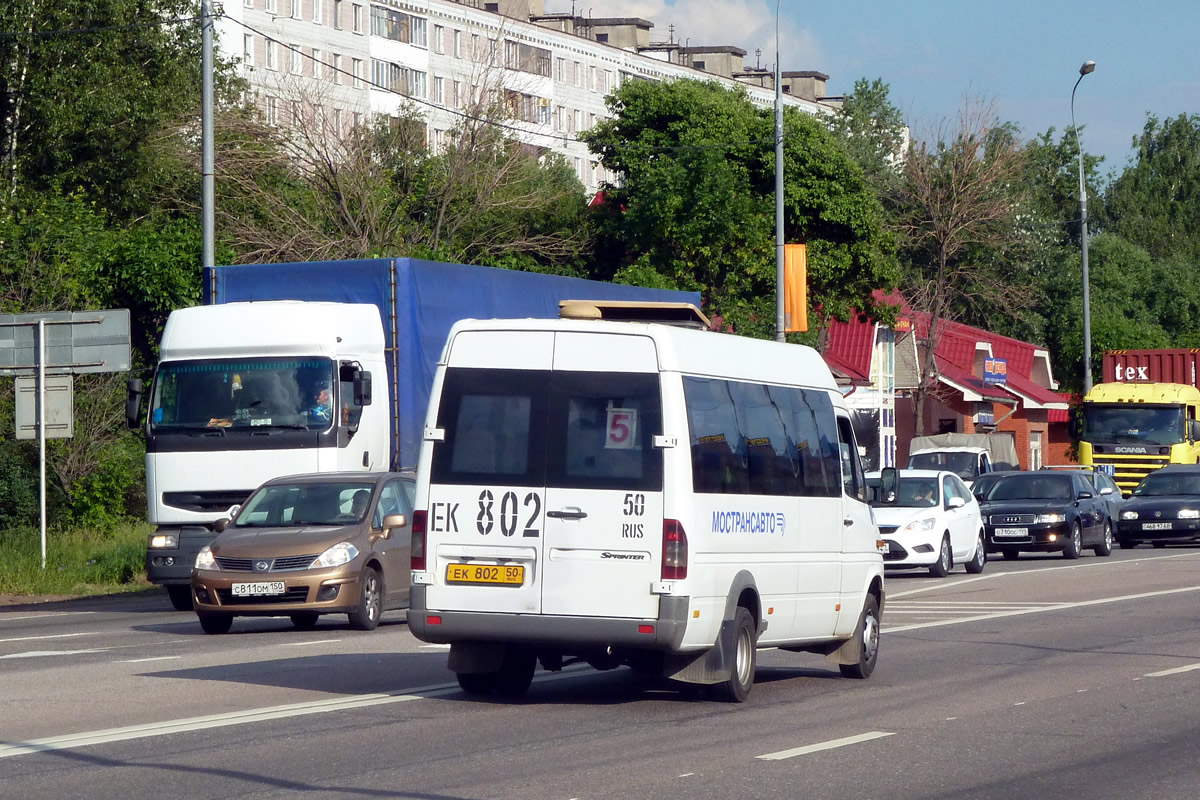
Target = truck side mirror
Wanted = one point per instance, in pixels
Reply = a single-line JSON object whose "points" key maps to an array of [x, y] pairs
{"points": [[133, 402], [1194, 430], [889, 482], [1075, 430], [362, 388]]}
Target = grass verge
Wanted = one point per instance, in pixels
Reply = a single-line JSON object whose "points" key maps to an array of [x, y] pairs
{"points": [[79, 561]]}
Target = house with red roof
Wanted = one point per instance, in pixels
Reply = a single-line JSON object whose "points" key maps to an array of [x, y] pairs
{"points": [[985, 383]]}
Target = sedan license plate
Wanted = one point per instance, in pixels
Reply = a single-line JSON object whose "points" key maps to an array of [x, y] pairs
{"points": [[257, 589], [1156, 526], [503, 574], [1011, 532]]}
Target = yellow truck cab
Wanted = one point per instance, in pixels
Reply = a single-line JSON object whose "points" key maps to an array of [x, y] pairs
{"points": [[1131, 429]]}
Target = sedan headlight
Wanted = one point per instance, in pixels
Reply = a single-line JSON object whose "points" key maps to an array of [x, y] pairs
{"points": [[1052, 517], [164, 541], [1189, 513], [205, 560], [340, 553], [918, 525], [1129, 515]]}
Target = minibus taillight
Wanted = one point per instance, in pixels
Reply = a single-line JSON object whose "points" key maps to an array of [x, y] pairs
{"points": [[674, 551], [417, 548]]}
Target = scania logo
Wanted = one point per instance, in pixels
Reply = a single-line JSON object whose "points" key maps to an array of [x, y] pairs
{"points": [[262, 566]]}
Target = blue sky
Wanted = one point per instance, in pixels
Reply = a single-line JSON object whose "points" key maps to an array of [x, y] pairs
{"points": [[1022, 56]]}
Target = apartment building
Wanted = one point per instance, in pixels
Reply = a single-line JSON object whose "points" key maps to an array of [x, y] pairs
{"points": [[336, 62]]}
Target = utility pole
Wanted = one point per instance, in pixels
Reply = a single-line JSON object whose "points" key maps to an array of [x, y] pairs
{"points": [[207, 212], [780, 325]]}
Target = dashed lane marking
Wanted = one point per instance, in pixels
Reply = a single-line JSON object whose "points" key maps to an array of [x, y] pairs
{"points": [[829, 745], [1175, 671]]}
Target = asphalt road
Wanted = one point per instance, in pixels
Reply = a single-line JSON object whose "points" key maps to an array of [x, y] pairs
{"points": [[1040, 678]]}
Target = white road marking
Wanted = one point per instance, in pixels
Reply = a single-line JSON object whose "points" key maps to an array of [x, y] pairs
{"points": [[687, 775], [1058, 607], [1097, 564], [44, 653], [50, 636], [435, 647], [314, 641], [45, 616], [143, 660], [1174, 671], [829, 745], [86, 739]]}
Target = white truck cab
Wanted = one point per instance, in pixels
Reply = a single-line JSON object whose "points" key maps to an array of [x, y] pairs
{"points": [[639, 494]]}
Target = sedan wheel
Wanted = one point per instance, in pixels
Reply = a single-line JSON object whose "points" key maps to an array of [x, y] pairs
{"points": [[1075, 544], [370, 602], [941, 567], [1106, 543], [976, 564]]}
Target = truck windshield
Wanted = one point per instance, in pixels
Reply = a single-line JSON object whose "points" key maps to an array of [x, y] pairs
{"points": [[1140, 424], [964, 465], [244, 393]]}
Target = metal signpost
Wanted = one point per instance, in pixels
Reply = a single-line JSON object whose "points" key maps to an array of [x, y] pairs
{"points": [[48, 349]]}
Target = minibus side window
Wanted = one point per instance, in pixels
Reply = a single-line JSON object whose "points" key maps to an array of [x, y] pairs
{"points": [[808, 419], [852, 475], [770, 465], [718, 447]]}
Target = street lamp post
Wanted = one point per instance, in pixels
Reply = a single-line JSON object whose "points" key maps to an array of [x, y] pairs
{"points": [[780, 323], [1088, 66]]}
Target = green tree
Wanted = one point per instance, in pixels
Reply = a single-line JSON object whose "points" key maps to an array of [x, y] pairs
{"points": [[80, 110], [694, 208], [1155, 201], [872, 131]]}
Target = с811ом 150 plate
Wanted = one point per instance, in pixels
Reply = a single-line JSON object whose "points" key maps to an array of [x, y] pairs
{"points": [[257, 589]]}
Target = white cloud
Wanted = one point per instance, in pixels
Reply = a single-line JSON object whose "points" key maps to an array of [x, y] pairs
{"points": [[748, 24]]}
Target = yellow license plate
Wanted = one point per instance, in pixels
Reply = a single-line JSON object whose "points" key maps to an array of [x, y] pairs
{"points": [[503, 574]]}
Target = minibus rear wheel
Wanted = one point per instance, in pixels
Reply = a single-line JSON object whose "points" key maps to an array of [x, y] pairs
{"points": [[736, 688]]}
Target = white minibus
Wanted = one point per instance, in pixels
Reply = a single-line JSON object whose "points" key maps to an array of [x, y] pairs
{"points": [[641, 494]]}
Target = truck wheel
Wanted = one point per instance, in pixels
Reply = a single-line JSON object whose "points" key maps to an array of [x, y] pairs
{"points": [[181, 596], [215, 623], [867, 634], [1106, 542], [979, 560], [1074, 545], [736, 688], [941, 567], [370, 601]]}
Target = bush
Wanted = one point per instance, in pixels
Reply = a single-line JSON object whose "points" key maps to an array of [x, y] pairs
{"points": [[18, 486]]}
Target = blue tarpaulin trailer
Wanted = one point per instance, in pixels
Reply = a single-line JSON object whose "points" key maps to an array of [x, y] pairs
{"points": [[418, 302]]}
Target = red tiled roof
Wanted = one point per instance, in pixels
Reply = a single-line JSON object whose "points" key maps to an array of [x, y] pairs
{"points": [[850, 346], [850, 371]]}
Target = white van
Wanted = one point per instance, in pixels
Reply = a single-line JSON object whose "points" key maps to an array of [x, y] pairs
{"points": [[638, 494]]}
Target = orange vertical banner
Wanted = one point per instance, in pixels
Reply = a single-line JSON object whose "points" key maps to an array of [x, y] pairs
{"points": [[795, 288]]}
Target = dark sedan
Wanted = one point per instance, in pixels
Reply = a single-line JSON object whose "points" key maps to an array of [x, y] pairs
{"points": [[1046, 512], [1163, 508]]}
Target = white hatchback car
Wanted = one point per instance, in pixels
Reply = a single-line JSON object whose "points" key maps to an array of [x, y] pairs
{"points": [[931, 520]]}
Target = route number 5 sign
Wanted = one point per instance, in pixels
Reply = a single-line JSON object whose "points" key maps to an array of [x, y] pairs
{"points": [[621, 430]]}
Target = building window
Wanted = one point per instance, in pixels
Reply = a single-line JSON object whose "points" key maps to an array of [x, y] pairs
{"points": [[357, 119], [335, 74], [337, 121], [294, 9], [560, 70], [358, 18], [356, 68], [297, 113], [602, 37], [456, 100], [317, 9], [439, 39], [297, 65], [272, 7], [317, 55], [578, 74], [476, 50], [269, 59], [438, 91], [458, 44], [697, 65], [272, 111], [526, 58], [398, 26], [576, 120], [560, 118], [592, 77], [492, 7], [337, 14], [248, 3], [608, 81], [248, 49]]}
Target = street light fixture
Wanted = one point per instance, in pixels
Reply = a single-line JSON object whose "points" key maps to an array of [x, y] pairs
{"points": [[1088, 67]]}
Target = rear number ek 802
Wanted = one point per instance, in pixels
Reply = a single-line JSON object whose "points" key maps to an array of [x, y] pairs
{"points": [[502, 574]]}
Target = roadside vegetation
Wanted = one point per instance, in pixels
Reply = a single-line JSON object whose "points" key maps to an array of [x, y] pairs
{"points": [[79, 561], [970, 218]]}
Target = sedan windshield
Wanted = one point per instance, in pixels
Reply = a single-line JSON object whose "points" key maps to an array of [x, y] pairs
{"points": [[243, 393], [961, 464], [1033, 487], [911, 493], [300, 504], [1157, 485]]}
